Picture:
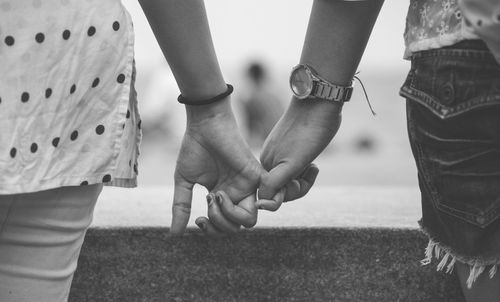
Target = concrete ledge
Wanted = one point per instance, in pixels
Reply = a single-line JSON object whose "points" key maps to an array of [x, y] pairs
{"points": [[328, 264], [337, 244], [324, 206]]}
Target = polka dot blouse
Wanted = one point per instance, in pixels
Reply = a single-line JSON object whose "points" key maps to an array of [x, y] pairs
{"points": [[68, 109]]}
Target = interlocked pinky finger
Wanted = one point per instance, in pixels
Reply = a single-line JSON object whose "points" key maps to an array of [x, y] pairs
{"points": [[244, 213], [218, 219]]}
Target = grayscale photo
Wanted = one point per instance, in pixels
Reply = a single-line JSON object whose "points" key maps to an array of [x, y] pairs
{"points": [[250, 151]]}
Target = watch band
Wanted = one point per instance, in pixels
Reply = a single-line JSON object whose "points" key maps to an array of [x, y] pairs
{"points": [[331, 92]]}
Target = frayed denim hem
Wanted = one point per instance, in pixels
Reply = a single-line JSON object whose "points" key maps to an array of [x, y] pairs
{"points": [[447, 259]]}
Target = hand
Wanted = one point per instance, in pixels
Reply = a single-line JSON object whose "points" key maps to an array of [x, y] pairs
{"points": [[296, 140], [214, 154]]}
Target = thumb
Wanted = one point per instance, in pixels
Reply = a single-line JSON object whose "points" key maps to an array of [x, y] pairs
{"points": [[276, 179], [272, 204], [286, 185], [272, 190]]}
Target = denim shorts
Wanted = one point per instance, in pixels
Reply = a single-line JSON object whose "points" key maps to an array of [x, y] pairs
{"points": [[453, 115]]}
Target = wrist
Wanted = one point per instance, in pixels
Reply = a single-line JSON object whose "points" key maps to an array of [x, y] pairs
{"points": [[202, 88], [317, 114], [332, 75], [220, 110], [315, 108], [205, 100]]}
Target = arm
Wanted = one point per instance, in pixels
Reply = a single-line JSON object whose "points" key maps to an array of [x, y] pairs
{"points": [[182, 31], [336, 38], [213, 153], [337, 35]]}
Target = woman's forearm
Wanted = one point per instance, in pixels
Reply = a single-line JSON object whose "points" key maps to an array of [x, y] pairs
{"points": [[337, 35], [182, 31]]}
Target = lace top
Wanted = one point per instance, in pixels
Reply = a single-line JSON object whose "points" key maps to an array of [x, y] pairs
{"points": [[433, 24], [436, 23]]}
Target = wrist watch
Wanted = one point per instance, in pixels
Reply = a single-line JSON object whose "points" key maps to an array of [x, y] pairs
{"points": [[305, 83]]}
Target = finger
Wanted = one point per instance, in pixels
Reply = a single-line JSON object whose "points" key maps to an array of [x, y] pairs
{"points": [[207, 227], [181, 207], [218, 219], [277, 178], [295, 189], [274, 203], [292, 190], [244, 213], [298, 188]]}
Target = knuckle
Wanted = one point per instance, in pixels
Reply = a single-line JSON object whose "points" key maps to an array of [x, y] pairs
{"points": [[181, 208]]}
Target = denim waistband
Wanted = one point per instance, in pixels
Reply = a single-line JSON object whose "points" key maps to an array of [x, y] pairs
{"points": [[468, 44], [455, 79], [466, 48]]}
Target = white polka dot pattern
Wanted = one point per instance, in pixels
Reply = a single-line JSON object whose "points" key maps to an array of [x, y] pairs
{"points": [[68, 109]]}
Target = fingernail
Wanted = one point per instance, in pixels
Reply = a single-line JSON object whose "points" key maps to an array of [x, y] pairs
{"points": [[209, 199], [201, 225], [218, 198]]}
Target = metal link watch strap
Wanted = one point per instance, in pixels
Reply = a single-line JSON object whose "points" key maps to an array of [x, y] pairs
{"points": [[332, 92]]}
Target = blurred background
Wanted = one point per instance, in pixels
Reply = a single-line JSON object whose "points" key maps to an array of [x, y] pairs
{"points": [[257, 43]]}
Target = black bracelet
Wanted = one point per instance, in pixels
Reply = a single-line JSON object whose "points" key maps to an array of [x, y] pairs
{"points": [[181, 99]]}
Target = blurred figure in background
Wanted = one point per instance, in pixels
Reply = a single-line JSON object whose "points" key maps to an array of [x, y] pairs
{"points": [[165, 126], [261, 107]]}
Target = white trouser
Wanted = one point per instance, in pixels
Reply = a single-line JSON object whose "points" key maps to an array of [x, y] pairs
{"points": [[41, 235]]}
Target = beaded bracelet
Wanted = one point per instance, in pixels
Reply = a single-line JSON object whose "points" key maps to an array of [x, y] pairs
{"points": [[181, 99]]}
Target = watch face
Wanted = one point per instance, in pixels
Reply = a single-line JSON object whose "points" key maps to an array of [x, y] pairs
{"points": [[301, 82]]}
